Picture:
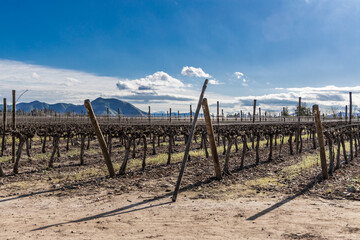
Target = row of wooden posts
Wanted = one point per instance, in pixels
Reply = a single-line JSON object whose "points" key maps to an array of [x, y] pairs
{"points": [[5, 126], [170, 114], [203, 102]]}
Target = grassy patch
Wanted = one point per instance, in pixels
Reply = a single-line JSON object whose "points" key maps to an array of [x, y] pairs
{"points": [[4, 159], [307, 162], [41, 156], [264, 182]]}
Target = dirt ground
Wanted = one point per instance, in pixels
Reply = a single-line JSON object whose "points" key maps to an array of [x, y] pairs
{"points": [[278, 199], [139, 215]]}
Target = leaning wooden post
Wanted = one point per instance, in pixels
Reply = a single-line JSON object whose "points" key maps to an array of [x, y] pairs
{"points": [[188, 143], [210, 132], [100, 137], [254, 110], [13, 124], [321, 141]]}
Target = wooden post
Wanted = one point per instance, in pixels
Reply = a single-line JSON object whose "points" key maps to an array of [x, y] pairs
{"points": [[3, 145], [13, 123], [350, 116], [190, 113], [210, 132], [299, 110], [222, 115], [321, 141], [170, 114], [119, 115], [188, 143], [100, 137], [254, 110], [149, 115], [346, 114], [298, 127], [350, 106], [241, 115], [178, 115], [217, 112], [259, 114]]}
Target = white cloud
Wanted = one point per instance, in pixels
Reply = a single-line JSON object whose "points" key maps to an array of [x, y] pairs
{"points": [[52, 84], [194, 72], [244, 82], [241, 76], [159, 84], [326, 97], [71, 81], [214, 82], [35, 75], [238, 74], [160, 90], [156, 81]]}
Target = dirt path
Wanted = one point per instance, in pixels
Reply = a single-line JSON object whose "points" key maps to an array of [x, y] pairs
{"points": [[138, 216]]}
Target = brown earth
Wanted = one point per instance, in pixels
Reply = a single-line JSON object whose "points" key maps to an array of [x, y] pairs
{"points": [[258, 202], [138, 215]]}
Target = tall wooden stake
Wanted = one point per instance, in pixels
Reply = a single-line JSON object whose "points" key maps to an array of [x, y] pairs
{"points": [[350, 110], [170, 114], [259, 114], [254, 110], [210, 132], [187, 148], [149, 115], [346, 114], [350, 116], [217, 112], [321, 141], [3, 145], [190, 113], [298, 127], [100, 137], [13, 123]]}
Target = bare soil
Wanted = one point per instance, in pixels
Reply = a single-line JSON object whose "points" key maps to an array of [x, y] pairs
{"points": [[257, 202], [139, 215]]}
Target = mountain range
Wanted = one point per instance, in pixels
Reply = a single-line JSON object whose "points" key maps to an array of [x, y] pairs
{"points": [[99, 106]]}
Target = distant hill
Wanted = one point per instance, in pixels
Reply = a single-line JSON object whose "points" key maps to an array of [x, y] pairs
{"points": [[99, 105]]}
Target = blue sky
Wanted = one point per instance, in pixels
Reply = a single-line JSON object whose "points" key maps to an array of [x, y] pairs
{"points": [[137, 51]]}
